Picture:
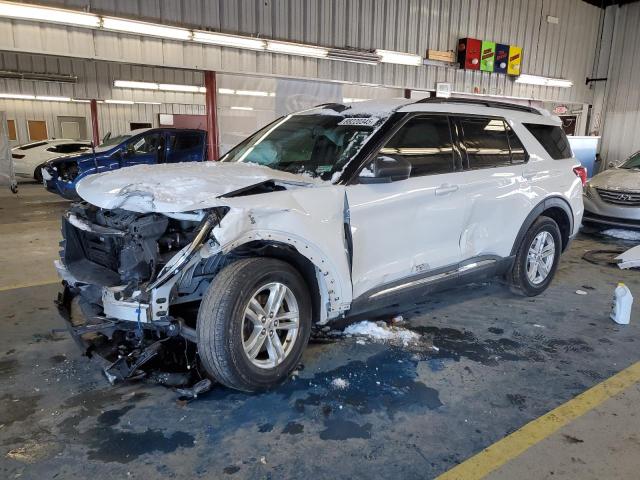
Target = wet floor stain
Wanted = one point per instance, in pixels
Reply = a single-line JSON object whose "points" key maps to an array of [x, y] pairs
{"points": [[8, 367], [231, 469], [339, 429], [17, 408], [58, 359], [293, 428], [107, 440]]}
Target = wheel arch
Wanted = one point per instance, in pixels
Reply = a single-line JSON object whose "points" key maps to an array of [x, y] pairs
{"points": [[324, 288], [556, 208]]}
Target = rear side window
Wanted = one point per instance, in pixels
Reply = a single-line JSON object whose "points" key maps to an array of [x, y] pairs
{"points": [[425, 142], [485, 141], [552, 139], [185, 141]]}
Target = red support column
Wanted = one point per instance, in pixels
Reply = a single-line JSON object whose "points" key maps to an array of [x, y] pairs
{"points": [[94, 122], [212, 114], [407, 93]]}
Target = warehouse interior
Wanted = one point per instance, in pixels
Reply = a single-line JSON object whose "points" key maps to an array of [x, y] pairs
{"points": [[471, 382]]}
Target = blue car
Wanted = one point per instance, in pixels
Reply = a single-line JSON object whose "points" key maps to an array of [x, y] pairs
{"points": [[145, 146]]}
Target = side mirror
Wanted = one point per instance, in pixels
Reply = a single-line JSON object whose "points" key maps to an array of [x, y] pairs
{"points": [[386, 169], [611, 165], [131, 150]]}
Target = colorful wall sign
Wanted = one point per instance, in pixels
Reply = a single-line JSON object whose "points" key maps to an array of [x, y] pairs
{"points": [[487, 56], [515, 59], [469, 53], [502, 58]]}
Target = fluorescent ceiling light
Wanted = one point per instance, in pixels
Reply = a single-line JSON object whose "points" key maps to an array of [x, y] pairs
{"points": [[368, 58], [52, 99], [401, 58], [138, 85], [119, 102], [148, 103], [181, 88], [252, 93], [544, 81], [297, 49], [241, 108], [80, 100], [354, 100], [17, 96], [44, 14], [226, 91], [228, 40], [143, 28]]}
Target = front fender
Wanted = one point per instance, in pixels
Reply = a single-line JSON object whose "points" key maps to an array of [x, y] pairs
{"points": [[311, 221]]}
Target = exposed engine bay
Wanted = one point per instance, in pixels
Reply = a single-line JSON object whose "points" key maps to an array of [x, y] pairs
{"points": [[118, 264]]}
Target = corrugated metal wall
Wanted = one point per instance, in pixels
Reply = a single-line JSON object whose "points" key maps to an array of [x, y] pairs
{"points": [[622, 94], [563, 50], [95, 80]]}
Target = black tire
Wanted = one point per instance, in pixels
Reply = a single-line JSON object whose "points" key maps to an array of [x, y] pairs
{"points": [[220, 316], [37, 175], [518, 279]]}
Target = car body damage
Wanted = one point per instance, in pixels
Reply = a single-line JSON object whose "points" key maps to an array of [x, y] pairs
{"points": [[128, 262]]}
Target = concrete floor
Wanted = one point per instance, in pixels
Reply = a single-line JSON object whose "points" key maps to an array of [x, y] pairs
{"points": [[406, 412]]}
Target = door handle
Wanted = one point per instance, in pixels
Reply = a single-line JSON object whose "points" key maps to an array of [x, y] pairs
{"points": [[446, 189]]}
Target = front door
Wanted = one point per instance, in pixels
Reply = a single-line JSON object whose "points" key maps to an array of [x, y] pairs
{"points": [[147, 149], [408, 227]]}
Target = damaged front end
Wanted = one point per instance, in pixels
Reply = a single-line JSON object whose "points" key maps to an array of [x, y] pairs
{"points": [[132, 284]]}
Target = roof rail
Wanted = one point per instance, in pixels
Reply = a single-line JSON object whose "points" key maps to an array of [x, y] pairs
{"points": [[485, 103]]}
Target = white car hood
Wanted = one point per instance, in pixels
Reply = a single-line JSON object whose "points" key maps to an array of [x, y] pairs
{"points": [[177, 187], [624, 179]]}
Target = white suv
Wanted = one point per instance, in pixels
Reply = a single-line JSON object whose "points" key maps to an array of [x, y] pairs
{"points": [[331, 212]]}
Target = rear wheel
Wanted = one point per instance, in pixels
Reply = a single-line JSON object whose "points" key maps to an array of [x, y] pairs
{"points": [[254, 323], [537, 258]]}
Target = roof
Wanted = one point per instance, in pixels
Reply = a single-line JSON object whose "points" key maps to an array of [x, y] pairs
{"points": [[453, 105]]}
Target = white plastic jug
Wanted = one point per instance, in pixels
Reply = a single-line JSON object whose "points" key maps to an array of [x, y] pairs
{"points": [[622, 301]]}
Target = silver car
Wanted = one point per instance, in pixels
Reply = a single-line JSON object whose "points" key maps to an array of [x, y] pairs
{"points": [[612, 198]]}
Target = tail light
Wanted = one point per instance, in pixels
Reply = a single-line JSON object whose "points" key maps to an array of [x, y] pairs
{"points": [[581, 172]]}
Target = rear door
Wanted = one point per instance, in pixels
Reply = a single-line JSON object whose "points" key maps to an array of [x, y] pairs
{"points": [[187, 146], [410, 227], [496, 197]]}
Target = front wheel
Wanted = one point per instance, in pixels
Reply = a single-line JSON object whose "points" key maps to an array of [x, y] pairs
{"points": [[537, 258], [254, 323]]}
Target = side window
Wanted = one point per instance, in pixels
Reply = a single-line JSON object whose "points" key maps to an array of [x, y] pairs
{"points": [[147, 144], [552, 139], [181, 142], [485, 141], [518, 153], [424, 141]]}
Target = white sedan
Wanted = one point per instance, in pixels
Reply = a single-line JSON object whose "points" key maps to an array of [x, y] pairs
{"points": [[28, 158]]}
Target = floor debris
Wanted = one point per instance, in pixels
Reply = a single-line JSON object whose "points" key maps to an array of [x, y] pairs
{"points": [[581, 292], [199, 388], [339, 383], [381, 331], [622, 234], [630, 258]]}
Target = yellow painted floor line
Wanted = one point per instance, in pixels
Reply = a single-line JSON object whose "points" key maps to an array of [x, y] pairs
{"points": [[513, 445], [16, 286]]}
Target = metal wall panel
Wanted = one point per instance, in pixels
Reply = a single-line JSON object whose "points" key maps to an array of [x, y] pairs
{"points": [[564, 50], [622, 93]]}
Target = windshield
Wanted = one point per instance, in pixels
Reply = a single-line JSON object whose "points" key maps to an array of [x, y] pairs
{"points": [[110, 142], [315, 144], [632, 162]]}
